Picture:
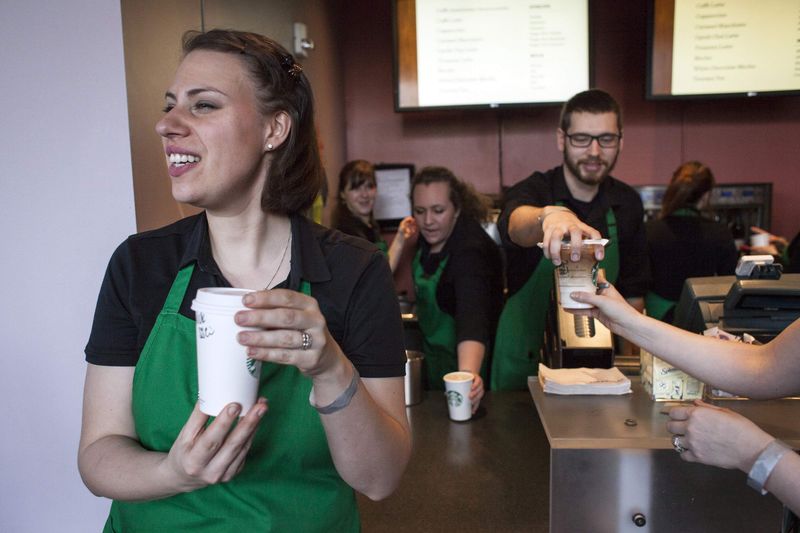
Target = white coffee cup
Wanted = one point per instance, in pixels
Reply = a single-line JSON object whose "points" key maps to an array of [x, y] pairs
{"points": [[224, 372], [457, 386], [759, 240]]}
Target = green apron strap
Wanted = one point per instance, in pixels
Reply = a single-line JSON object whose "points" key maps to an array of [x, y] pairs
{"points": [[178, 289], [382, 246], [610, 261]]}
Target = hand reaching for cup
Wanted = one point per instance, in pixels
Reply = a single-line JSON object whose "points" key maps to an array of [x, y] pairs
{"points": [[559, 223], [608, 306]]}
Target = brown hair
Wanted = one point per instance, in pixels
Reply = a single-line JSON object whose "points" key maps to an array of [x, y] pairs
{"points": [[689, 183], [593, 101], [463, 195], [295, 174], [353, 174]]}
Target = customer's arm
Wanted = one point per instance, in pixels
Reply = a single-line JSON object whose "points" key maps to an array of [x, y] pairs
{"points": [[771, 370], [720, 437]]}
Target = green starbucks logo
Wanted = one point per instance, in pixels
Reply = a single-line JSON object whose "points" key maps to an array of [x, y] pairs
{"points": [[251, 366], [454, 398]]}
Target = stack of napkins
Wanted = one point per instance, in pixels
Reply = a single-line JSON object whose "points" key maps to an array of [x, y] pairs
{"points": [[583, 380]]}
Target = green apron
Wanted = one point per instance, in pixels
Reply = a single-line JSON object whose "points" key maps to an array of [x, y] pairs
{"points": [[520, 330], [288, 483], [655, 305], [382, 246], [438, 328]]}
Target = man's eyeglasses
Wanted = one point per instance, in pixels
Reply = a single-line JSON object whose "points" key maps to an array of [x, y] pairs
{"points": [[584, 140]]}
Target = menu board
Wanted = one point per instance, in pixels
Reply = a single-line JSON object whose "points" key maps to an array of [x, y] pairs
{"points": [[456, 53]]}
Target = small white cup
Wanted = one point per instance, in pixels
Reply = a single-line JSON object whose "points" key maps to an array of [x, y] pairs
{"points": [[224, 372], [759, 240], [457, 386]]}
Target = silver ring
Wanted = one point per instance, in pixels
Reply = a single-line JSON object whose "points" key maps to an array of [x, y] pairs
{"points": [[676, 443], [306, 345], [602, 286]]}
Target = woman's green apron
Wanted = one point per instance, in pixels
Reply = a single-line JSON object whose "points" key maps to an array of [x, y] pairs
{"points": [[438, 328], [656, 305], [289, 482], [520, 330]]}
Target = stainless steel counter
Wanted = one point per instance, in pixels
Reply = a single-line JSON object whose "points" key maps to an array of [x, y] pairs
{"points": [[489, 474], [604, 471]]}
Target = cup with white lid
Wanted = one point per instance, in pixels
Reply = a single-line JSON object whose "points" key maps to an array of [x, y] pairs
{"points": [[225, 373]]}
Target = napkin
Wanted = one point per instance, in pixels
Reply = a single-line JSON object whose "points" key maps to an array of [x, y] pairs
{"points": [[583, 381]]}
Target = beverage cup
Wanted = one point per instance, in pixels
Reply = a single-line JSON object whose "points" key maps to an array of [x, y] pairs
{"points": [[759, 240], [457, 386], [579, 276], [224, 372]]}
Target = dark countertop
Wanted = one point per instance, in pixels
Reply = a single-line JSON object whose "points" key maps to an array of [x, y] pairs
{"points": [[488, 474]]}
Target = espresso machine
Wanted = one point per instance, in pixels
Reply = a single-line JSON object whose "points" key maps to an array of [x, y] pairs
{"points": [[572, 341]]}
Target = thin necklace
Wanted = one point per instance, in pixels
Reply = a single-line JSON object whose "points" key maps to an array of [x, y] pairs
{"points": [[283, 256]]}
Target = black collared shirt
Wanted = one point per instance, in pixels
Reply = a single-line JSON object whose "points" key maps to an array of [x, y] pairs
{"points": [[347, 222], [549, 188], [471, 287], [350, 279]]}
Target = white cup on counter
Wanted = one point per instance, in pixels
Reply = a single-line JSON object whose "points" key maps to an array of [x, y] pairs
{"points": [[456, 389]]}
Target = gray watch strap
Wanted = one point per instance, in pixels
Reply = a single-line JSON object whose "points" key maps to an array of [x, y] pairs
{"points": [[342, 401], [765, 464]]}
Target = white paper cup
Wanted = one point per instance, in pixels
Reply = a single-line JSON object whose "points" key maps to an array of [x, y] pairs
{"points": [[759, 240], [457, 386], [224, 372], [575, 277]]}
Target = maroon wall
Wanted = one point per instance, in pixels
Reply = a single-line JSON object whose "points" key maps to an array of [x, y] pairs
{"points": [[742, 140]]}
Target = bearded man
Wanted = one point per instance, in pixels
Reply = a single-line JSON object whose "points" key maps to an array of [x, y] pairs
{"points": [[576, 200]]}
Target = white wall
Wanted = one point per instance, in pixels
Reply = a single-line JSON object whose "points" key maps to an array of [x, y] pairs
{"points": [[66, 201]]}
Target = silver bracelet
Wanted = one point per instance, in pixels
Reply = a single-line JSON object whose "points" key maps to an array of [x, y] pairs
{"points": [[765, 464], [342, 401], [556, 209]]}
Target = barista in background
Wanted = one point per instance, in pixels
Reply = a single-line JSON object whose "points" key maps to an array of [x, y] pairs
{"points": [[683, 242], [357, 191], [576, 200], [787, 253], [458, 277]]}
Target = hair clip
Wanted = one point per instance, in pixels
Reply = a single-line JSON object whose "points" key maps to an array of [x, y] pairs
{"points": [[289, 65]]}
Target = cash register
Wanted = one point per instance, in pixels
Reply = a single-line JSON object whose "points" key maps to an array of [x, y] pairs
{"points": [[759, 300]]}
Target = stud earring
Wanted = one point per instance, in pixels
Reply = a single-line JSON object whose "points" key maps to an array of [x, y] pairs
{"points": [[269, 147]]}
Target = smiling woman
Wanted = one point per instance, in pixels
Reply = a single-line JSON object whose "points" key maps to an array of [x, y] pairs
{"points": [[239, 142]]}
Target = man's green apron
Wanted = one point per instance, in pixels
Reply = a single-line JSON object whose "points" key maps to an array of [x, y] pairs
{"points": [[289, 482], [655, 305], [520, 330], [382, 246], [438, 328]]}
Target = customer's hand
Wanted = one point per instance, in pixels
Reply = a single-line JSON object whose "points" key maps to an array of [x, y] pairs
{"points": [[716, 436], [610, 308], [203, 454]]}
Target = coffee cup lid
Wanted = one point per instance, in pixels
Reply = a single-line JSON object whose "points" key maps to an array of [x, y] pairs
{"points": [[225, 297]]}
